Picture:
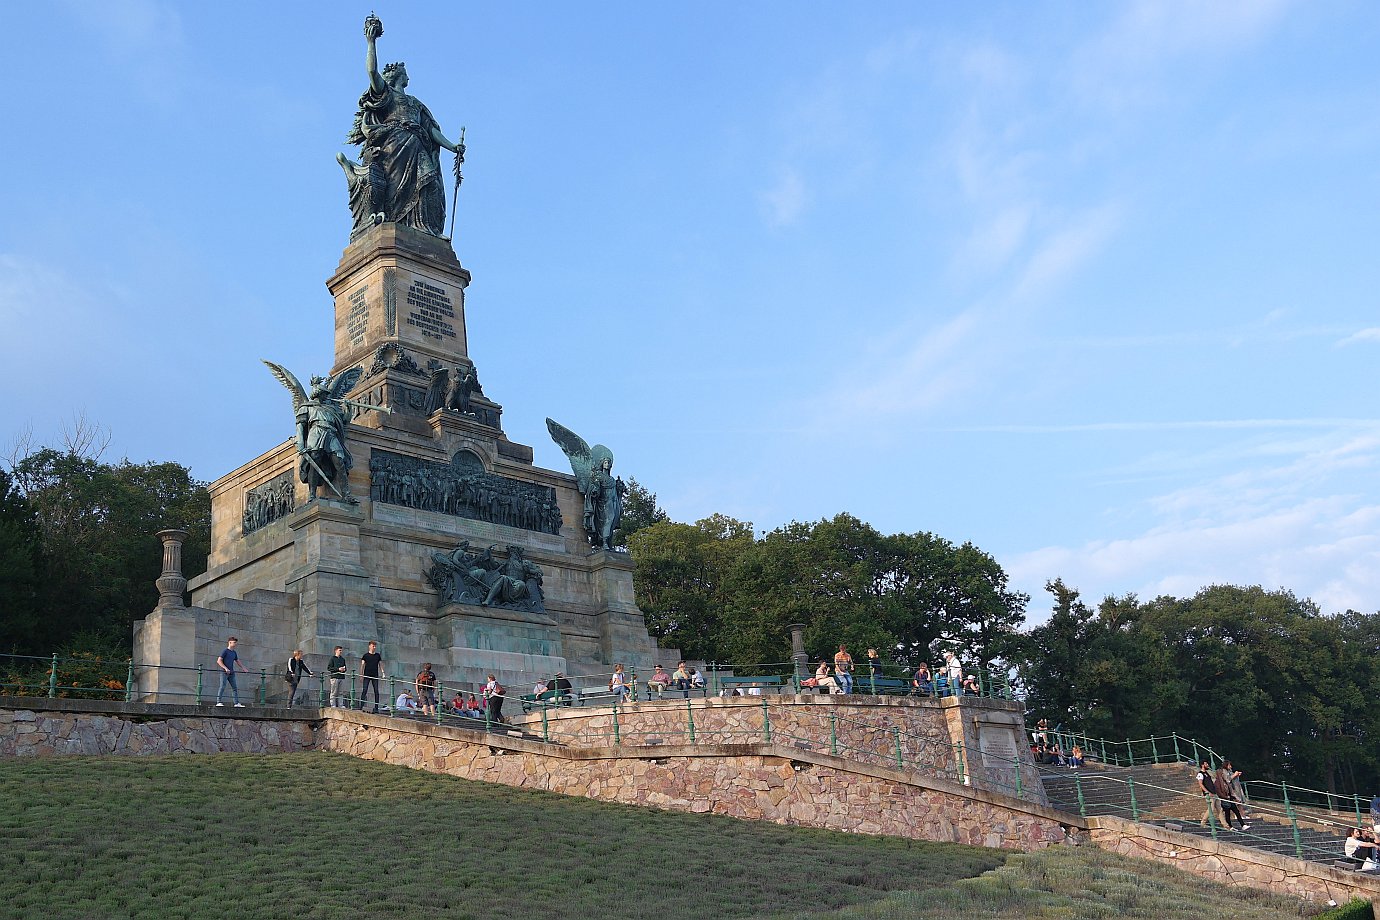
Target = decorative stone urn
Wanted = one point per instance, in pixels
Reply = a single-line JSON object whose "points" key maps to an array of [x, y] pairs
{"points": [[171, 584]]}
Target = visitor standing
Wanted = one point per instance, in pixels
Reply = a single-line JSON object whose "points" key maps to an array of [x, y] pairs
{"points": [[843, 669], [229, 662], [296, 670], [1209, 790], [371, 667], [874, 666], [426, 689], [953, 673], [493, 693], [335, 668]]}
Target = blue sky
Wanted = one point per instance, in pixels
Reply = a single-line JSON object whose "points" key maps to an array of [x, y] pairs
{"points": [[1093, 286]]}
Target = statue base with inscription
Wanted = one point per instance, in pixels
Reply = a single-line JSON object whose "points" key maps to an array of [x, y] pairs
{"points": [[439, 487]]}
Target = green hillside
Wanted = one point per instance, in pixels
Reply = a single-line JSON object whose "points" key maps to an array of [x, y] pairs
{"points": [[327, 836]]}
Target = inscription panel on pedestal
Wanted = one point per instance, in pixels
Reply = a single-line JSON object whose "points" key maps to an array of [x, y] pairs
{"points": [[430, 309], [357, 321], [462, 488]]}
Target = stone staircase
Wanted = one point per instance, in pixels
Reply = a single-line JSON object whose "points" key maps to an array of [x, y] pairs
{"points": [[1167, 796]]}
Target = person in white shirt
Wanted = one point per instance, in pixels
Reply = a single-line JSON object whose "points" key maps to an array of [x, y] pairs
{"points": [[405, 703], [822, 678], [953, 673]]}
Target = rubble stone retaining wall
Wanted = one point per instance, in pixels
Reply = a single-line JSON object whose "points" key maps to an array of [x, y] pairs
{"points": [[29, 733], [1221, 861], [763, 782]]}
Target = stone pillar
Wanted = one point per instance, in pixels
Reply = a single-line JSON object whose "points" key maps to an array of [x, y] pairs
{"points": [[165, 640], [802, 661], [171, 584]]}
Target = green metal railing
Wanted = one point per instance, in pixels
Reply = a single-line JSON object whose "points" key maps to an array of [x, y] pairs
{"points": [[1341, 808], [1097, 792]]}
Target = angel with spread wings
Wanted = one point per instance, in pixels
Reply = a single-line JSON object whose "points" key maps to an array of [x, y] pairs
{"points": [[322, 415], [603, 492]]}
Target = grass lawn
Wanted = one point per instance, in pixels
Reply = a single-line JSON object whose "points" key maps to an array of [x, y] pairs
{"points": [[327, 836]]}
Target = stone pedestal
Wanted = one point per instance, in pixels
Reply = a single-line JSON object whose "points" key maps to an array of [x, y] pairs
{"points": [[335, 596], [165, 656], [622, 627], [399, 285]]}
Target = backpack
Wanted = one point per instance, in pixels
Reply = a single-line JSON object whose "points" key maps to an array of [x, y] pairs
{"points": [[426, 679]]}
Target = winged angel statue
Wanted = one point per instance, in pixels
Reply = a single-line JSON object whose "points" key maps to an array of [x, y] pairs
{"points": [[603, 492], [322, 415]]}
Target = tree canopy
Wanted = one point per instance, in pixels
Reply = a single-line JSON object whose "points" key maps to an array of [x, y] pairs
{"points": [[1260, 676], [78, 551], [717, 591]]}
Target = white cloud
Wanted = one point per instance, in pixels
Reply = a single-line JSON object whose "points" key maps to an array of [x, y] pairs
{"points": [[1363, 335], [786, 200], [1294, 525], [1066, 250], [1121, 66]]}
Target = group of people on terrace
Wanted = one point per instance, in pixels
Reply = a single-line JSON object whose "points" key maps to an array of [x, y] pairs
{"points": [[420, 696]]}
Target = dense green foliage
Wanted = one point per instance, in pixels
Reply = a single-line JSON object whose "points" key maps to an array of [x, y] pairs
{"points": [[639, 510], [720, 593], [78, 551], [322, 835], [1355, 909], [1261, 676]]}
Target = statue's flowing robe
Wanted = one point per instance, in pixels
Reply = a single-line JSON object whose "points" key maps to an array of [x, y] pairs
{"points": [[396, 129]]}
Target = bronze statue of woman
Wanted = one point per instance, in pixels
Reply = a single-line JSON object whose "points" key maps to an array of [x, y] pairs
{"points": [[399, 175]]}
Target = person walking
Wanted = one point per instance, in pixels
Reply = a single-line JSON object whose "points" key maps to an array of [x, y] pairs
{"points": [[1209, 789], [1227, 797], [229, 662], [296, 670], [493, 693], [371, 667], [335, 669], [843, 669], [426, 689]]}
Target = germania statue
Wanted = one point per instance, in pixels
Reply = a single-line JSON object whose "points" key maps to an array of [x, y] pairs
{"points": [[603, 492], [322, 415], [399, 175]]}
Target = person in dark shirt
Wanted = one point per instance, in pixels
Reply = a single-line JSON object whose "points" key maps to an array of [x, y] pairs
{"points": [[336, 669], [296, 670], [1209, 788], [229, 662], [561, 685], [371, 667]]}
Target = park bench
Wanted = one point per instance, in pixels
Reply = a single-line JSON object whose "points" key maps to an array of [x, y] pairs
{"points": [[745, 683], [530, 700]]}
